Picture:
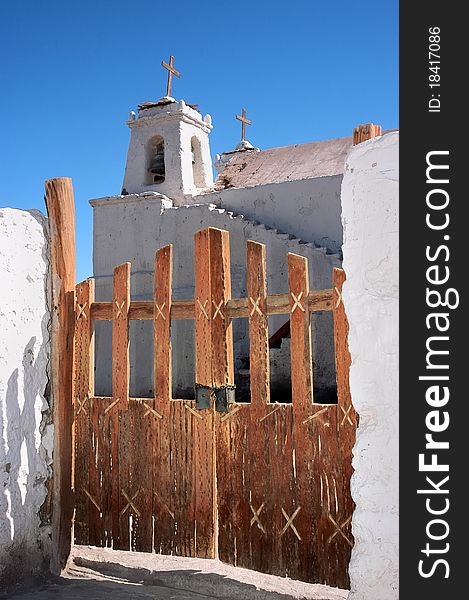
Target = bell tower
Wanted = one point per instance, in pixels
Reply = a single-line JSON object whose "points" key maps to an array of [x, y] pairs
{"points": [[169, 150]]}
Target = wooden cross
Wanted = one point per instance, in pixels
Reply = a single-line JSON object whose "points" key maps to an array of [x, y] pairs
{"points": [[244, 122], [171, 71]]}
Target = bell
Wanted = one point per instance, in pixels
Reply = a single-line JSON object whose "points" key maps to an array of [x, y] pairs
{"points": [[157, 168]]}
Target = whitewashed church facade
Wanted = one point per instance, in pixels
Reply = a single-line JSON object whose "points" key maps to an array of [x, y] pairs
{"points": [[287, 198]]}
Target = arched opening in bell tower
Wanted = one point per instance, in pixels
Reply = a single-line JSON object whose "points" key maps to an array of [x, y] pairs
{"points": [[197, 167], [156, 172]]}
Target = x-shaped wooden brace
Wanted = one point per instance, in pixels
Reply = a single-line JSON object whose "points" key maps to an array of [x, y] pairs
{"points": [[297, 301], [346, 416], [338, 530], [256, 307], [81, 310], [111, 406], [232, 412], [194, 412], [218, 309], [92, 499], [339, 297], [130, 503], [151, 410], [165, 506], [81, 405], [202, 308], [289, 522], [269, 414], [316, 414], [120, 308], [160, 311], [255, 518]]}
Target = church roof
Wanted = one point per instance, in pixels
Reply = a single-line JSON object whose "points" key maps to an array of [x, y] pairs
{"points": [[287, 163]]}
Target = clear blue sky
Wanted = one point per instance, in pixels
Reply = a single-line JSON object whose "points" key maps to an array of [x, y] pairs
{"points": [[72, 70]]}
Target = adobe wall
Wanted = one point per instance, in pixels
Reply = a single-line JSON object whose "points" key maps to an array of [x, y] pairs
{"points": [[26, 432], [370, 214]]}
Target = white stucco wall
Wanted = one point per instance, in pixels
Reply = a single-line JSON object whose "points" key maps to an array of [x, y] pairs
{"points": [[308, 208], [132, 228], [370, 221], [26, 432]]}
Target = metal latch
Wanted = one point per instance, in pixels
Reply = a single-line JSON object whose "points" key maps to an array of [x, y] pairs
{"points": [[223, 396]]}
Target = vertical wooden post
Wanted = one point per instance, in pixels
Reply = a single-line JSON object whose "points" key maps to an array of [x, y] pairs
{"points": [[61, 212], [347, 415], [162, 328], [120, 396], [347, 418], [120, 336], [163, 482], [366, 132], [300, 332], [203, 315], [83, 392], [258, 323], [220, 293]]}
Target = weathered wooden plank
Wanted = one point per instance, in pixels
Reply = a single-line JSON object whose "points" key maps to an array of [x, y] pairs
{"points": [[143, 310], [183, 310], [342, 354], [203, 481], [162, 329], [220, 293], [366, 132], [256, 279], [120, 336], [112, 422], [163, 492], [115, 410], [83, 390], [87, 439], [184, 486], [318, 467], [162, 501], [99, 476], [255, 481], [138, 490], [287, 551], [61, 213], [234, 514], [125, 490], [300, 332], [304, 501], [203, 312], [347, 421]]}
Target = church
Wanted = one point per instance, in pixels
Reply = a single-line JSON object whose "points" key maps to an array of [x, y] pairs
{"points": [[287, 198]]}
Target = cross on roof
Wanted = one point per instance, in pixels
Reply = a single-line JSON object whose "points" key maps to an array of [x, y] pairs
{"points": [[171, 71], [244, 122]]}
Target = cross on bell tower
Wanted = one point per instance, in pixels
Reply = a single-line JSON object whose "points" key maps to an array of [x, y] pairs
{"points": [[171, 71], [244, 122]]}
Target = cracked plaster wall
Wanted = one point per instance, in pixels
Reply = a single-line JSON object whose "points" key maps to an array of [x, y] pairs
{"points": [[26, 432], [371, 258]]}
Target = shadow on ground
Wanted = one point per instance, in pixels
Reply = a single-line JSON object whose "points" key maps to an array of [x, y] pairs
{"points": [[100, 581]]}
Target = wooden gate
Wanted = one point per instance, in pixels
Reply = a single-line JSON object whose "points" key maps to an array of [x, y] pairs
{"points": [[263, 486]]}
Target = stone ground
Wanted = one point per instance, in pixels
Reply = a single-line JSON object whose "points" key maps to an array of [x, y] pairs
{"points": [[99, 574]]}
